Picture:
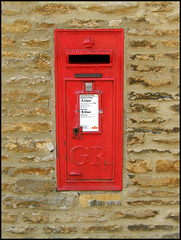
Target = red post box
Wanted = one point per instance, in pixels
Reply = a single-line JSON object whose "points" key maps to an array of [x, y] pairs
{"points": [[89, 108]]}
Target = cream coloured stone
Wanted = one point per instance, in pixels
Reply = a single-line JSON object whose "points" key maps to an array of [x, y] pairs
{"points": [[115, 23]]}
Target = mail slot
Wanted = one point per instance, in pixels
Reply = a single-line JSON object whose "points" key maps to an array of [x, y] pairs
{"points": [[89, 108]]}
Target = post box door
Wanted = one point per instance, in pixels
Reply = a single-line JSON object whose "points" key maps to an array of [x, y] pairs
{"points": [[89, 116]]}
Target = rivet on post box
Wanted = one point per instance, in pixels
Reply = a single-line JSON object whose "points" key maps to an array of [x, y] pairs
{"points": [[89, 109]]}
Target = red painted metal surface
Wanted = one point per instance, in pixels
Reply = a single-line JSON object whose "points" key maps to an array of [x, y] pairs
{"points": [[89, 108]]}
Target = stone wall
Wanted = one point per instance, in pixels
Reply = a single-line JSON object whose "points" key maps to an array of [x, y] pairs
{"points": [[148, 205]]}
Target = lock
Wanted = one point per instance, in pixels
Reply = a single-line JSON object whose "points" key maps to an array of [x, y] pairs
{"points": [[77, 133]]}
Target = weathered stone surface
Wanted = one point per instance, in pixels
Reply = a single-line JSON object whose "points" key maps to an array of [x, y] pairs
{"points": [[166, 140], [152, 193], [44, 26], [81, 217], [7, 41], [139, 56], [25, 96], [99, 199], [63, 202], [174, 17], [173, 56], [140, 150], [32, 170], [170, 43], [36, 159], [44, 43], [96, 203], [144, 56], [6, 170], [111, 8], [106, 228], [8, 217], [19, 26], [147, 68], [146, 120], [17, 55], [160, 6], [154, 130], [5, 158], [26, 144], [7, 185], [136, 107], [138, 32], [11, 12], [171, 236], [52, 8], [152, 32], [142, 227], [135, 138], [174, 69], [167, 166], [27, 61], [20, 229], [43, 61], [152, 81], [173, 130], [29, 112], [155, 181], [26, 127], [150, 96], [3, 111], [142, 214], [139, 19], [157, 202], [25, 186], [115, 23], [174, 216], [162, 32], [62, 229], [138, 166], [142, 44], [35, 217], [175, 108], [85, 23]]}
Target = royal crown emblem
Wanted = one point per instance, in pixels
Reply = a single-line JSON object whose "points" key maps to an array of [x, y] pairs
{"points": [[88, 42]]}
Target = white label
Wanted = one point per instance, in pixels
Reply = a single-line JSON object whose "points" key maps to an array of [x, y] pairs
{"points": [[89, 112]]}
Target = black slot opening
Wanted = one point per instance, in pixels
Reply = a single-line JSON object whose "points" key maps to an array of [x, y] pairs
{"points": [[89, 59]]}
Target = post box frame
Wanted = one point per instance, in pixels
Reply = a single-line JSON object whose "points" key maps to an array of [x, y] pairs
{"points": [[61, 124]]}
